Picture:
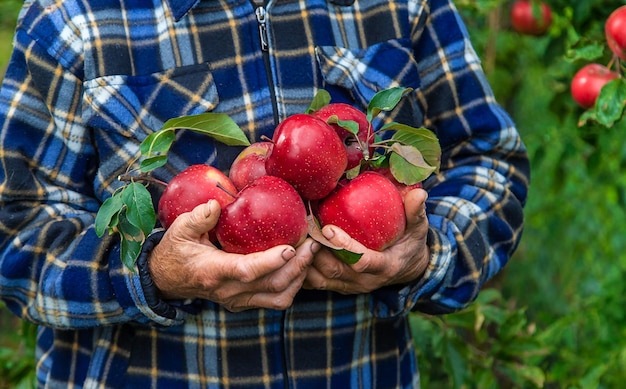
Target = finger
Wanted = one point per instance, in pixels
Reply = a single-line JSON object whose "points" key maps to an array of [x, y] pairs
{"points": [[315, 279], [198, 221], [251, 267], [294, 269], [280, 300], [415, 206], [334, 268], [340, 238]]}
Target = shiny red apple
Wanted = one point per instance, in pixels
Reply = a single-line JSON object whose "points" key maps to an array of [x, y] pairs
{"points": [[588, 82], [308, 154], [355, 145], [369, 208], [267, 213], [249, 164], [195, 185], [615, 31]]}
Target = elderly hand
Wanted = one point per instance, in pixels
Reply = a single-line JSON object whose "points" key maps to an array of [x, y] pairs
{"points": [[404, 261], [185, 264]]}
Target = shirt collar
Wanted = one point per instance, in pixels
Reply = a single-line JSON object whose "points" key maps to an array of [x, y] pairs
{"points": [[181, 7]]}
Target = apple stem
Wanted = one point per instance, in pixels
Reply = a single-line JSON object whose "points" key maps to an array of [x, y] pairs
{"points": [[142, 177], [267, 139], [231, 194]]}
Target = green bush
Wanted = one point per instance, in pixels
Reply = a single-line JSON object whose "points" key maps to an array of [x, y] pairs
{"points": [[563, 293]]}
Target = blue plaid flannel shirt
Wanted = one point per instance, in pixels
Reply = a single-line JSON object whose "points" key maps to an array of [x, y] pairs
{"points": [[90, 79]]}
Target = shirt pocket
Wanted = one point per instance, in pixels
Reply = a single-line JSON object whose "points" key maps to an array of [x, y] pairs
{"points": [[136, 106], [363, 72]]}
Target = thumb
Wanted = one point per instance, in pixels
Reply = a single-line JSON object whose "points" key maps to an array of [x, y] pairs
{"points": [[198, 221], [415, 206]]}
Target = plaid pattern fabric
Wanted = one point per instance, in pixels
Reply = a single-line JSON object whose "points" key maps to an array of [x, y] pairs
{"points": [[90, 79]]}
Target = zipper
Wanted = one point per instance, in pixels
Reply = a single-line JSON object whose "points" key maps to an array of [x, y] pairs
{"points": [[261, 18], [260, 12]]}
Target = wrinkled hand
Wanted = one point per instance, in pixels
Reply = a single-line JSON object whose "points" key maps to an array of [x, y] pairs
{"points": [[185, 264], [404, 261]]}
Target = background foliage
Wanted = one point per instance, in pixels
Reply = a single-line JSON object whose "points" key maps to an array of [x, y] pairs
{"points": [[555, 318]]}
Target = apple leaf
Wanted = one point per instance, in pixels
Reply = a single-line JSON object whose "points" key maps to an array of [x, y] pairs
{"points": [[586, 50], [219, 126], [150, 163], [352, 173], [132, 239], [315, 232], [347, 256], [107, 214], [609, 107], [157, 143], [154, 148], [349, 125], [130, 213], [407, 164], [139, 209], [421, 138], [385, 100], [321, 99]]}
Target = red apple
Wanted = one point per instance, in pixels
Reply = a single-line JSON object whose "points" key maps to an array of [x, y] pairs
{"points": [[308, 154], [193, 186], [615, 31], [526, 22], [354, 144], [588, 82], [249, 164], [369, 208], [267, 213]]}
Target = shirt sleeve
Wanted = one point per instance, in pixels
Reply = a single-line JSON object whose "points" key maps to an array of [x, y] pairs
{"points": [[54, 269], [475, 203]]}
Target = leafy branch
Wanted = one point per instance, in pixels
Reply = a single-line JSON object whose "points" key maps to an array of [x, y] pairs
{"points": [[129, 212]]}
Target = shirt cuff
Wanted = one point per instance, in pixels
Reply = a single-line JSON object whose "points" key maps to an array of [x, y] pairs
{"points": [[398, 300], [172, 309]]}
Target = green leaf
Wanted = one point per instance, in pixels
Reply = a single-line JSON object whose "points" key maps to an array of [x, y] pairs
{"points": [[154, 148], [321, 99], [349, 125], [139, 209], [408, 165], [347, 256], [107, 212], [585, 50], [132, 239], [385, 100], [158, 142], [151, 163], [421, 138], [355, 171], [609, 107], [218, 126]]}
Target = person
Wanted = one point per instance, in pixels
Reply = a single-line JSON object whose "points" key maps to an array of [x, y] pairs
{"points": [[88, 80]]}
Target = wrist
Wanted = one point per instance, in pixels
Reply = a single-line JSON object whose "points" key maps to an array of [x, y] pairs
{"points": [[151, 292]]}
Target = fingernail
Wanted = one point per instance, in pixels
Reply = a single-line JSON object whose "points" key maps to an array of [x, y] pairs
{"points": [[315, 247], [288, 254], [328, 233]]}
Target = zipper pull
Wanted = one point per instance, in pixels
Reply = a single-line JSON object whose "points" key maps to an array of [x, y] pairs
{"points": [[261, 18]]}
